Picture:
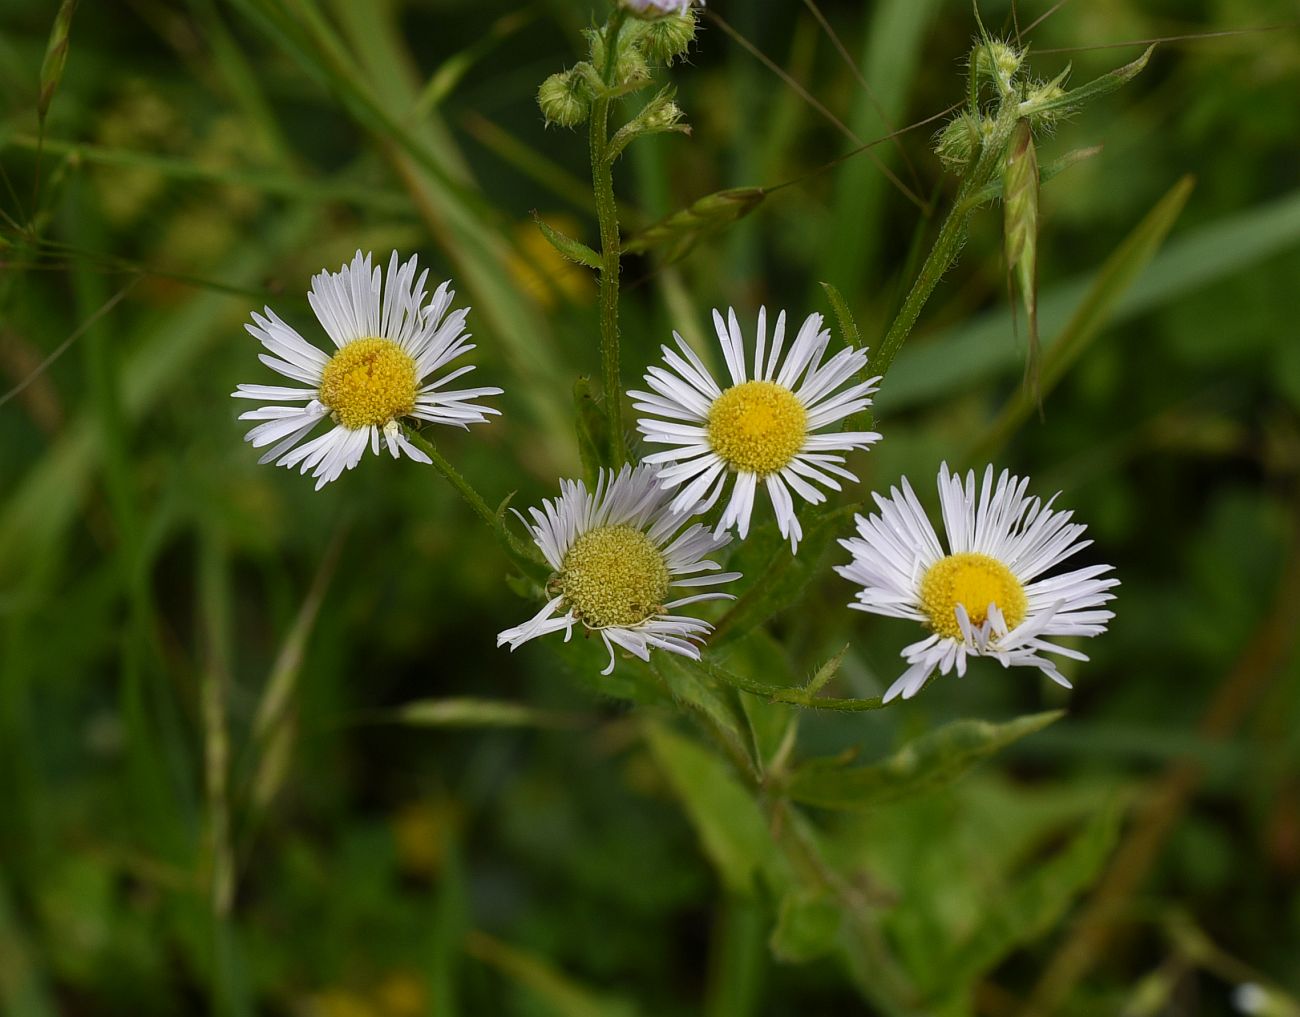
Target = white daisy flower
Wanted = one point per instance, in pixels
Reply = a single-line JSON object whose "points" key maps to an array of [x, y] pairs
{"points": [[388, 344], [616, 554], [770, 428], [983, 597]]}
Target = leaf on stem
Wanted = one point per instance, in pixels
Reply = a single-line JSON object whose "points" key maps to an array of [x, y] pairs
{"points": [[931, 761], [574, 250]]}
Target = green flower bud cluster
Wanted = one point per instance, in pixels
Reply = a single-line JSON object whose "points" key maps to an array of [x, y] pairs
{"points": [[639, 47]]}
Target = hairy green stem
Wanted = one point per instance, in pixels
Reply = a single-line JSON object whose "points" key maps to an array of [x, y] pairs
{"points": [[602, 181]]}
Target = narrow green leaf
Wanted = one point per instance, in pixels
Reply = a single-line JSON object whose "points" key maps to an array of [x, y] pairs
{"points": [[1076, 97], [962, 358], [56, 56], [574, 250], [786, 693], [993, 190], [1119, 272], [843, 316], [931, 761], [730, 825], [826, 672]]}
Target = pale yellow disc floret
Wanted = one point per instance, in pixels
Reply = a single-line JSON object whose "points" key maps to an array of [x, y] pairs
{"points": [[369, 382], [757, 427], [974, 581], [614, 575]]}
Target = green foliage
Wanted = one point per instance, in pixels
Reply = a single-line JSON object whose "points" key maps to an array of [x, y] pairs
{"points": [[932, 761], [259, 752]]}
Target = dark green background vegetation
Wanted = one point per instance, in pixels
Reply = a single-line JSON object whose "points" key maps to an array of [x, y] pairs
{"points": [[203, 158]]}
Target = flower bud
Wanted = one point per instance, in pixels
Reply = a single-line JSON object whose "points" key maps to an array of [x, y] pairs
{"points": [[563, 99], [648, 9], [630, 63], [998, 62], [956, 142], [666, 39]]}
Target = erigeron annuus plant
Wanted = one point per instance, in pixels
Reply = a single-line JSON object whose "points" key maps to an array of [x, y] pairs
{"points": [[637, 553]]}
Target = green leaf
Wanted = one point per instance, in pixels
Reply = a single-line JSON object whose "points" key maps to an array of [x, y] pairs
{"points": [[962, 358], [843, 316], [826, 672], [1037, 901], [715, 706], [56, 56], [807, 926], [1120, 271], [726, 817], [861, 421], [1076, 97], [930, 762], [469, 712], [785, 693], [576, 251]]}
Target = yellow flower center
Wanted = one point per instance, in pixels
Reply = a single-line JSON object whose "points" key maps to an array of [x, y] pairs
{"points": [[614, 575], [974, 581], [757, 427], [368, 382]]}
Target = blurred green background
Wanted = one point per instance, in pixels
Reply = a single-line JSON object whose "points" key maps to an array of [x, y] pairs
{"points": [[174, 840]]}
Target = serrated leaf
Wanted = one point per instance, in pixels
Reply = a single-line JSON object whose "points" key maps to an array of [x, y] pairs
{"points": [[574, 250], [926, 764], [727, 819], [807, 926]]}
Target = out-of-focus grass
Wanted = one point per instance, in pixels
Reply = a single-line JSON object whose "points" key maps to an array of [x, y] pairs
{"points": [[155, 583]]}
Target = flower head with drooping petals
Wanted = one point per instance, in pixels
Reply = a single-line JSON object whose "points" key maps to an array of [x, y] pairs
{"points": [[987, 595], [616, 555], [388, 343], [770, 428]]}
